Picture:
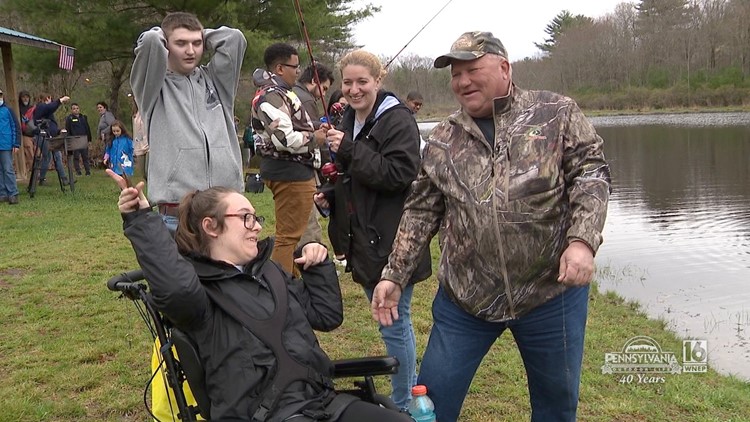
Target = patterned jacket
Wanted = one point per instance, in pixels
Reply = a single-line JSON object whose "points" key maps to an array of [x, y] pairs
{"points": [[507, 213], [292, 140]]}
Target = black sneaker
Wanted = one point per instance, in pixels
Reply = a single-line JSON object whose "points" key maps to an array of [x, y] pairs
{"points": [[43, 182], [78, 173], [13, 200], [88, 173]]}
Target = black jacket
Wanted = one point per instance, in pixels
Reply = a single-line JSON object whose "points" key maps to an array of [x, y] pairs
{"points": [[238, 365], [379, 167], [47, 111], [78, 126]]}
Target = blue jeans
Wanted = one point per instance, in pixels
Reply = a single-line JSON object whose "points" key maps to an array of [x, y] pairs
{"points": [[549, 339], [8, 185], [45, 160], [171, 222], [400, 342]]}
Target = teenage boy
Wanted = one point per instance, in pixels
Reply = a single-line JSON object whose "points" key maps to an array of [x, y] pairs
{"points": [[188, 108]]}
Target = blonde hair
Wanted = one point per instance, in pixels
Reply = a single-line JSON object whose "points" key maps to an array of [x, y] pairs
{"points": [[364, 59]]}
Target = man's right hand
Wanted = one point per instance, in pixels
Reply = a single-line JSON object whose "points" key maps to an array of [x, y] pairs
{"points": [[385, 300]]}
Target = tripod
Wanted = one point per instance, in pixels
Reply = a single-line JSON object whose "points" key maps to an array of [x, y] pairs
{"points": [[41, 150]]}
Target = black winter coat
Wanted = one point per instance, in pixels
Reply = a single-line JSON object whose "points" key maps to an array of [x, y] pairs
{"points": [[238, 365], [379, 167]]}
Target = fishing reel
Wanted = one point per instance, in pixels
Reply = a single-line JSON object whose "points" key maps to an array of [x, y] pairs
{"points": [[330, 172], [336, 113]]}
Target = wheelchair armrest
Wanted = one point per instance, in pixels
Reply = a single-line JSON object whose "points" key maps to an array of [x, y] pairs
{"points": [[359, 367]]}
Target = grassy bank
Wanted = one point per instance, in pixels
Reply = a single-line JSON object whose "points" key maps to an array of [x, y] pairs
{"points": [[71, 351]]}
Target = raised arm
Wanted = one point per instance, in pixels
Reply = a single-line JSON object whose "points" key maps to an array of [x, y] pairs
{"points": [[149, 69], [229, 47], [175, 287]]}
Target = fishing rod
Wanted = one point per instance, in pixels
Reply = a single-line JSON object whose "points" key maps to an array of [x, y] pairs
{"points": [[415, 35], [306, 36]]}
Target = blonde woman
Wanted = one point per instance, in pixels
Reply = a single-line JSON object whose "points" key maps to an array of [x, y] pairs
{"points": [[377, 155]]}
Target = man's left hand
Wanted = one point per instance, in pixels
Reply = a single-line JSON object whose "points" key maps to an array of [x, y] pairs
{"points": [[576, 265]]}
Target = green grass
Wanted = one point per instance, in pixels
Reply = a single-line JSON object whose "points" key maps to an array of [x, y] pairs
{"points": [[70, 350]]}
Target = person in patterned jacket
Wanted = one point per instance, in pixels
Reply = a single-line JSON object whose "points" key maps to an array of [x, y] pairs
{"points": [[517, 184], [288, 147]]}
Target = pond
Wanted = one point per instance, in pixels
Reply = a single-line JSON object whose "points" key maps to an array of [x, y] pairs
{"points": [[677, 237]]}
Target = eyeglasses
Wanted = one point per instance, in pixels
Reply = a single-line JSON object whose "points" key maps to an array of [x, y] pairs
{"points": [[248, 219], [293, 66]]}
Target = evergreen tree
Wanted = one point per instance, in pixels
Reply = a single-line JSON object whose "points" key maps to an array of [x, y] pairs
{"points": [[561, 23]]}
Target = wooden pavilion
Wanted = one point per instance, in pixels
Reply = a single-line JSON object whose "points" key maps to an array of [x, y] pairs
{"points": [[8, 37]]}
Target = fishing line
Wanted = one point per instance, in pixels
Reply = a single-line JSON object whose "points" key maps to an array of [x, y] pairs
{"points": [[306, 36], [415, 35]]}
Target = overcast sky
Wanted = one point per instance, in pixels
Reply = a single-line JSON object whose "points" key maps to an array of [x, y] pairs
{"points": [[518, 24]]}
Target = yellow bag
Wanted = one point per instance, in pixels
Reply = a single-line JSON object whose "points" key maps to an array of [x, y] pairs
{"points": [[161, 406]]}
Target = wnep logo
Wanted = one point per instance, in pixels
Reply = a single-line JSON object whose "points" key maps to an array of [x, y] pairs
{"points": [[694, 356], [642, 360]]}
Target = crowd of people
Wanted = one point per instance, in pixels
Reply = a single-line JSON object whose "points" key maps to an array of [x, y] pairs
{"points": [[36, 125], [514, 183]]}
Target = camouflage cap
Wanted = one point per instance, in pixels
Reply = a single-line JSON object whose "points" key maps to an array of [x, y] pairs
{"points": [[470, 46]]}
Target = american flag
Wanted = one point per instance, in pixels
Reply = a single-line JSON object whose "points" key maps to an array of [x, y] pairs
{"points": [[67, 54]]}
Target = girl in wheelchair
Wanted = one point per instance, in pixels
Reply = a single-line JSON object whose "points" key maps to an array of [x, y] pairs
{"points": [[216, 251]]}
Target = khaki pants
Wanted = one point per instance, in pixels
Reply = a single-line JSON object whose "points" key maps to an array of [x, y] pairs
{"points": [[28, 152], [313, 233], [293, 202]]}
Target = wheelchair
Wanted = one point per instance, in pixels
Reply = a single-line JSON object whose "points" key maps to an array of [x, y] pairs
{"points": [[188, 367]]}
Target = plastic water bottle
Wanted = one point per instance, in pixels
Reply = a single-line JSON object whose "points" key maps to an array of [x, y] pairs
{"points": [[421, 407]]}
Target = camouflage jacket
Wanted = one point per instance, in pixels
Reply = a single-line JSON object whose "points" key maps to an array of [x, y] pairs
{"points": [[292, 139], [507, 213]]}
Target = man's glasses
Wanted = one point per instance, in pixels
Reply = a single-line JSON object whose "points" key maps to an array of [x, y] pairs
{"points": [[248, 219], [293, 66]]}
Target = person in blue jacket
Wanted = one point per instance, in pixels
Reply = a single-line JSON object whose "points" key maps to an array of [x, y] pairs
{"points": [[10, 141], [118, 154]]}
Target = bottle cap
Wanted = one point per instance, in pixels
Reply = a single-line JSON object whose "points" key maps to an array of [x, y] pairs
{"points": [[419, 390]]}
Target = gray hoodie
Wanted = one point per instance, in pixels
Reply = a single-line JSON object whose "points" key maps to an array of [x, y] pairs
{"points": [[189, 119]]}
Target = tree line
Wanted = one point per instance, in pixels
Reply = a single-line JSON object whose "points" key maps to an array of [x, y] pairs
{"points": [[645, 54], [649, 54]]}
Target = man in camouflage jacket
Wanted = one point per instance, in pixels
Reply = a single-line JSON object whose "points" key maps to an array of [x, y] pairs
{"points": [[517, 184]]}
